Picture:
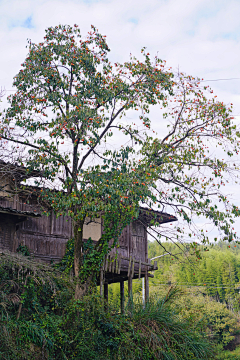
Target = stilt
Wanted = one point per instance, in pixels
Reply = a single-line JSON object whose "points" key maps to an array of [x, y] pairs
{"points": [[106, 291], [143, 291], [146, 284], [101, 282], [122, 295], [130, 286]]}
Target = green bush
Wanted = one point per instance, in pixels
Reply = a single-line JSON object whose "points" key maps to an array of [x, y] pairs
{"points": [[229, 355], [87, 330], [212, 317]]}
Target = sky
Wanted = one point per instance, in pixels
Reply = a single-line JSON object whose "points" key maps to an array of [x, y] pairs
{"points": [[200, 37]]}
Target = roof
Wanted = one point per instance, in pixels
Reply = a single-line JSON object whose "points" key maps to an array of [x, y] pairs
{"points": [[8, 210], [147, 215]]}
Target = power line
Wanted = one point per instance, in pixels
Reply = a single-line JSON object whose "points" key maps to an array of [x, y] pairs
{"points": [[220, 79], [205, 286], [227, 79]]}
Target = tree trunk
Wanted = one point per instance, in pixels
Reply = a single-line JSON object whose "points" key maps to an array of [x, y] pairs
{"points": [[78, 246]]}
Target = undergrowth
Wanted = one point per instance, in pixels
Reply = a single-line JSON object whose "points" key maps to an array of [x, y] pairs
{"points": [[40, 319]]}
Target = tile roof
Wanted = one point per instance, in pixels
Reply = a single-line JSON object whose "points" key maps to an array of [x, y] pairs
{"points": [[8, 210]]}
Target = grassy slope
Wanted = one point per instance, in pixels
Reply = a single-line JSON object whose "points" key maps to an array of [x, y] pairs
{"points": [[51, 325]]}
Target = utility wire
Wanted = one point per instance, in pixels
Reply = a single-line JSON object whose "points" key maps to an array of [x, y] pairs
{"points": [[220, 79], [198, 286], [205, 286], [227, 79]]}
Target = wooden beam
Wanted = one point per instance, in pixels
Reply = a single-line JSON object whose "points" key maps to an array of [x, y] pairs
{"points": [[130, 259], [138, 261]]}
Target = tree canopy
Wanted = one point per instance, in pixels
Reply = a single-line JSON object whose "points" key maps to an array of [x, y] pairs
{"points": [[68, 120]]}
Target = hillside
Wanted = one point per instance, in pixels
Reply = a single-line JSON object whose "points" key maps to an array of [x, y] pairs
{"points": [[40, 319]]}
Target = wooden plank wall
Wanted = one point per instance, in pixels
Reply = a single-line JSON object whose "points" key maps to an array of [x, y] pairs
{"points": [[7, 232], [46, 237], [132, 245]]}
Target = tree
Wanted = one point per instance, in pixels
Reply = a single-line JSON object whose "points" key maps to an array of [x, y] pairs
{"points": [[70, 102], [193, 161]]}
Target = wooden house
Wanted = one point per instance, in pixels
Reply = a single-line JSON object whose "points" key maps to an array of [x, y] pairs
{"points": [[21, 222]]}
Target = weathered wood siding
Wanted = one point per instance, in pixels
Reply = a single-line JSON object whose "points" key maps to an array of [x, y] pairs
{"points": [[132, 244], [7, 232], [46, 236]]}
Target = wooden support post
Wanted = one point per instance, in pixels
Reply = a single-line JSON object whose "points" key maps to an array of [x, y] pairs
{"points": [[146, 284], [129, 267], [113, 265], [101, 282], [122, 295], [116, 268], [106, 291], [120, 263], [132, 272], [110, 264], [130, 286], [143, 291], [106, 264]]}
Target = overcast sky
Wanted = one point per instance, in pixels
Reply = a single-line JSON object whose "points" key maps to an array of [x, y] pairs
{"points": [[200, 37]]}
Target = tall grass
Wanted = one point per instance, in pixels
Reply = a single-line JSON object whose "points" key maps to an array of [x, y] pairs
{"points": [[165, 335], [85, 330], [52, 325]]}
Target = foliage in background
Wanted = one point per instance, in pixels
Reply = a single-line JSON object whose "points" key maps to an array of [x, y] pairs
{"points": [[216, 273], [229, 355], [219, 323], [210, 287]]}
